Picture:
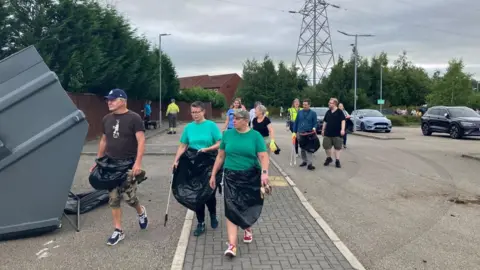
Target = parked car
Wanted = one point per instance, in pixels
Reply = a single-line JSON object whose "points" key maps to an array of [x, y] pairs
{"points": [[320, 111], [456, 121], [371, 120]]}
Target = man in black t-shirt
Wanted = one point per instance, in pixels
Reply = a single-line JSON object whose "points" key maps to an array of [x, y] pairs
{"points": [[123, 139], [333, 130]]}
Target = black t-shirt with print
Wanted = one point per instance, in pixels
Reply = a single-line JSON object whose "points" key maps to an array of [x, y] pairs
{"points": [[120, 130], [261, 127], [334, 123]]}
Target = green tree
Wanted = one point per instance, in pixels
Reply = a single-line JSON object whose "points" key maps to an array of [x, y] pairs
{"points": [[92, 48], [272, 86], [454, 88]]}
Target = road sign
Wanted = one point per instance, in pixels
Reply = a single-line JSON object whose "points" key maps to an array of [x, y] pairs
{"points": [[380, 101]]}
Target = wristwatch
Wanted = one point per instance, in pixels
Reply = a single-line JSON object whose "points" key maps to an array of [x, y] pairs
{"points": [[264, 171]]}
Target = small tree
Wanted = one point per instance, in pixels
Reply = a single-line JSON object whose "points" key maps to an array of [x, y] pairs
{"points": [[204, 95]]}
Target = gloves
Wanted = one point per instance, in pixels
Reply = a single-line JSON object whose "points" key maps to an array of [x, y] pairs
{"points": [[273, 146]]}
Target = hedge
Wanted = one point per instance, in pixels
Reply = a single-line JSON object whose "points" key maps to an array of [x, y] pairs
{"points": [[404, 120], [205, 95]]}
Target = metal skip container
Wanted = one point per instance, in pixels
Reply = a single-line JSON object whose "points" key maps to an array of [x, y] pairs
{"points": [[41, 139]]}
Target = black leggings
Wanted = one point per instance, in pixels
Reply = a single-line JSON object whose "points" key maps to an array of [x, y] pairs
{"points": [[212, 208]]}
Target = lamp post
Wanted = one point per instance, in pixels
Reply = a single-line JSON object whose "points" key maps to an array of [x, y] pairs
{"points": [[355, 53], [160, 77]]}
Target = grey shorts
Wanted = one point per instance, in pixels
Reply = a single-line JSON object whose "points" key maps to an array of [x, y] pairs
{"points": [[335, 142]]}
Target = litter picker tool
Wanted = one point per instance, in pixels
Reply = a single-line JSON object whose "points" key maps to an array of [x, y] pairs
{"points": [[293, 159], [168, 200]]}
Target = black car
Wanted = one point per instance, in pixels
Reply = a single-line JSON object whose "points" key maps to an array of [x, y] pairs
{"points": [[456, 121], [320, 111]]}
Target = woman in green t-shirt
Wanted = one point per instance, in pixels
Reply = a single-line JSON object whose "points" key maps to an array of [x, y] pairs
{"points": [[201, 135], [242, 153]]}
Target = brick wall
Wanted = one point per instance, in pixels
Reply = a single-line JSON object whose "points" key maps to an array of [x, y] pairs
{"points": [[95, 108], [229, 89]]}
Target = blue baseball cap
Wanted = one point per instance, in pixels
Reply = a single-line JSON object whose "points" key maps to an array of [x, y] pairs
{"points": [[116, 93]]}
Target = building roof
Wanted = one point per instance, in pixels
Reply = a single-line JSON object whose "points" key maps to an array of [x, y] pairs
{"points": [[205, 81]]}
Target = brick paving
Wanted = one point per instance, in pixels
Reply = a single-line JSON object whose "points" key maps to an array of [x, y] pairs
{"points": [[285, 237]]}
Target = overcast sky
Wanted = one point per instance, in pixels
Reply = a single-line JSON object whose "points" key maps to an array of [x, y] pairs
{"points": [[217, 36]]}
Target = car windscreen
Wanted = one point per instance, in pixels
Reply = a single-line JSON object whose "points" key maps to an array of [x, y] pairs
{"points": [[462, 112], [371, 113], [320, 111]]}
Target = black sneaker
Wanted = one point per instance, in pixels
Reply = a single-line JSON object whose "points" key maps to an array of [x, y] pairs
{"points": [[213, 221], [142, 219], [328, 161], [170, 132], [310, 167], [200, 229], [337, 163], [116, 237], [344, 146], [303, 164]]}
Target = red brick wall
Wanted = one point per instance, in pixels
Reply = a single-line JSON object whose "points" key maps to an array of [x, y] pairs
{"points": [[217, 113], [95, 108], [230, 88]]}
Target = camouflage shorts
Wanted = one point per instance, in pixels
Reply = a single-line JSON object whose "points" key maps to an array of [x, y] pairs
{"points": [[128, 188]]}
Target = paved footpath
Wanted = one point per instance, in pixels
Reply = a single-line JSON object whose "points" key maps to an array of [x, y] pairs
{"points": [[285, 237]]}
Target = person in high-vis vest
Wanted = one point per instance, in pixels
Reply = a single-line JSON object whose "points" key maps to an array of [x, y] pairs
{"points": [[172, 111], [291, 116]]}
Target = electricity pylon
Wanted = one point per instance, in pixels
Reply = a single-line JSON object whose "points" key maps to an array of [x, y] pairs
{"points": [[315, 51]]}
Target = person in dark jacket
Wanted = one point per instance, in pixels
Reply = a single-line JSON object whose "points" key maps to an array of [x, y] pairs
{"points": [[304, 126]]}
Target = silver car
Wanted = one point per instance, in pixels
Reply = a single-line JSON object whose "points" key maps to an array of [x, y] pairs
{"points": [[371, 120]]}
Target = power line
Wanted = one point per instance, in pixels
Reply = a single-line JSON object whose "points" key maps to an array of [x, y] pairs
{"points": [[476, 37]]}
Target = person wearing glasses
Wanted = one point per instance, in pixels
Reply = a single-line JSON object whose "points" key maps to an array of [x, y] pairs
{"points": [[201, 135], [245, 160]]}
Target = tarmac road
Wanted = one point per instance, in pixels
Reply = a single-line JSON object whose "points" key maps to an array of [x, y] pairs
{"points": [[67, 249], [389, 202]]}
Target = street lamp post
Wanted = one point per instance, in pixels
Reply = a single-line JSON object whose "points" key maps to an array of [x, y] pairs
{"points": [[355, 54], [160, 77]]}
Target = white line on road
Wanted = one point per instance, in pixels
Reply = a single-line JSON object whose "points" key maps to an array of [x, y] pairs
{"points": [[354, 262], [179, 258]]}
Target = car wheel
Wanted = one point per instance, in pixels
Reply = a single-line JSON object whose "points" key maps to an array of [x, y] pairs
{"points": [[426, 130], [362, 127], [456, 132]]}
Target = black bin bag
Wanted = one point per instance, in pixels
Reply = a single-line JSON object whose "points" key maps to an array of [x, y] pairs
{"points": [[88, 201], [109, 173], [243, 201], [191, 186], [309, 142]]}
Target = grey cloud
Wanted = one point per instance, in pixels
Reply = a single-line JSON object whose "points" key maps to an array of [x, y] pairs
{"points": [[210, 36]]}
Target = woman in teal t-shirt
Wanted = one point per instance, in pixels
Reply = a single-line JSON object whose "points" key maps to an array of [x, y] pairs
{"points": [[202, 135], [242, 150]]}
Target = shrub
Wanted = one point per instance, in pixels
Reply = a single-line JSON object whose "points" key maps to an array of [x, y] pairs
{"points": [[204, 95], [404, 120]]}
